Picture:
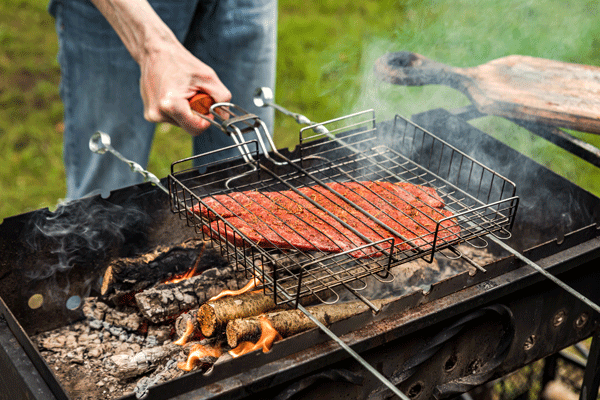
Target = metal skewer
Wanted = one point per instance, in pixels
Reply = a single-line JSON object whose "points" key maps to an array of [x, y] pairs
{"points": [[547, 274], [263, 97], [100, 144]]}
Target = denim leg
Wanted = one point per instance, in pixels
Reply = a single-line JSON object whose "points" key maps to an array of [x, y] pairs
{"points": [[100, 91], [237, 38], [100, 80]]}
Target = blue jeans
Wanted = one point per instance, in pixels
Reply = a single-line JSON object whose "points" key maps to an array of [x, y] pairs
{"points": [[100, 80]]}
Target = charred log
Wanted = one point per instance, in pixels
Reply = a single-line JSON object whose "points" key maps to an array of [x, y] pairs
{"points": [[164, 373], [127, 366], [187, 327], [291, 322], [126, 276], [169, 300]]}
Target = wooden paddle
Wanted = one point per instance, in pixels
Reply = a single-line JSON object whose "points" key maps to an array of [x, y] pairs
{"points": [[528, 88]]}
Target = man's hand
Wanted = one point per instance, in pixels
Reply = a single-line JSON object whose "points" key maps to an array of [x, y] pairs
{"points": [[170, 74], [170, 77]]}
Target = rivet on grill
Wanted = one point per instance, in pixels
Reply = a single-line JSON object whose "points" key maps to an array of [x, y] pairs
{"points": [[415, 390], [35, 301], [450, 363], [581, 320], [559, 318], [73, 302], [529, 343]]}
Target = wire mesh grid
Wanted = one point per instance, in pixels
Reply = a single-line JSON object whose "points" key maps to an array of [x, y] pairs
{"points": [[358, 199]]}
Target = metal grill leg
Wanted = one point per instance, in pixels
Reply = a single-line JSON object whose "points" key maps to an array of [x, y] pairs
{"points": [[549, 373], [591, 378]]}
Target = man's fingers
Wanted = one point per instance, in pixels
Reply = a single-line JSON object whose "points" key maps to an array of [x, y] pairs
{"points": [[213, 86], [179, 113], [195, 124]]}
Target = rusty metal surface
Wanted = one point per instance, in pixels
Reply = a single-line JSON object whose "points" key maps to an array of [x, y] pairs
{"points": [[63, 253]]}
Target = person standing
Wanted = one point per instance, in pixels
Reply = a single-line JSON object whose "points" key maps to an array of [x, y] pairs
{"points": [[129, 64]]}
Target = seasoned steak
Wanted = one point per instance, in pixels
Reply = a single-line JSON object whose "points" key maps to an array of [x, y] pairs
{"points": [[317, 219]]}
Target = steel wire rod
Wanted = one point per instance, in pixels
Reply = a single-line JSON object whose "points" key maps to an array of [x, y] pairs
{"points": [[547, 274]]}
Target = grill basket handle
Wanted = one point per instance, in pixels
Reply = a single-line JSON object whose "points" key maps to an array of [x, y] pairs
{"points": [[201, 103]]}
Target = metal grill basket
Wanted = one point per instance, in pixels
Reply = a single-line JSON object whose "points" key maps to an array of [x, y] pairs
{"points": [[352, 150]]}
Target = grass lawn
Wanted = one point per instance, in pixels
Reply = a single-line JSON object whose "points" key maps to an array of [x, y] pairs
{"points": [[325, 58]]}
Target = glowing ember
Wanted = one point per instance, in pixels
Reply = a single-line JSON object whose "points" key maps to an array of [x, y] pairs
{"points": [[249, 286], [197, 353], [268, 336], [189, 329], [191, 272]]}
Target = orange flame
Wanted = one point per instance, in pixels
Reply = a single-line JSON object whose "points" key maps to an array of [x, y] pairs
{"points": [[268, 336], [189, 329], [249, 286], [197, 353], [191, 272]]}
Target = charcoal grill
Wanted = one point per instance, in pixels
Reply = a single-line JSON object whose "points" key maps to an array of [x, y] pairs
{"points": [[446, 339]]}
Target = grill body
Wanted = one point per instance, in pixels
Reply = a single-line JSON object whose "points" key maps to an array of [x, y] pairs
{"points": [[423, 342]]}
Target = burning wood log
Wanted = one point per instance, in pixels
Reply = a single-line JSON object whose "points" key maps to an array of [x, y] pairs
{"points": [[167, 301], [201, 354], [268, 336], [187, 327], [125, 276], [290, 322], [214, 315]]}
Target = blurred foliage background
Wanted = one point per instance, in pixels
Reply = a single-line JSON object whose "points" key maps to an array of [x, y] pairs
{"points": [[325, 58]]}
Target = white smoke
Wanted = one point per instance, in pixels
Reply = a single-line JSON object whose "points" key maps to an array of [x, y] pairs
{"points": [[79, 232]]}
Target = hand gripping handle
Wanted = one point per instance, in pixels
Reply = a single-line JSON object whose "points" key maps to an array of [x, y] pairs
{"points": [[201, 103]]}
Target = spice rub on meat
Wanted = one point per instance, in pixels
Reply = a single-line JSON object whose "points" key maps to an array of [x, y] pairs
{"points": [[288, 220]]}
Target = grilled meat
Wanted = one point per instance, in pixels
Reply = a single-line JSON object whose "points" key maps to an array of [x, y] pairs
{"points": [[314, 218]]}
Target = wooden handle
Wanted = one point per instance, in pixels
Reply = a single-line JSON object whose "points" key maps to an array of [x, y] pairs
{"points": [[201, 103]]}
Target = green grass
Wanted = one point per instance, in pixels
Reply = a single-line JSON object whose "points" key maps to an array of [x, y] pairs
{"points": [[325, 59]]}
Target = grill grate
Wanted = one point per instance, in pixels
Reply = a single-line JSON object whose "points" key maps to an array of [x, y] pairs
{"points": [[355, 152]]}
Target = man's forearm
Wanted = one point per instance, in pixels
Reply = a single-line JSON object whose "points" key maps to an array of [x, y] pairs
{"points": [[137, 24], [169, 74]]}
